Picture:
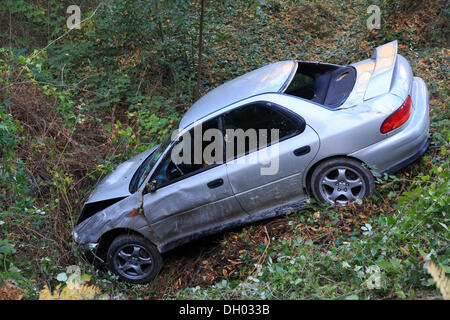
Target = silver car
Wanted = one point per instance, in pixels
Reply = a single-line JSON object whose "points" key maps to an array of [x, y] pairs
{"points": [[332, 123]]}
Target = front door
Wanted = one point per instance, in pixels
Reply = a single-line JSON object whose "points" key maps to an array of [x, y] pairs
{"points": [[190, 199]]}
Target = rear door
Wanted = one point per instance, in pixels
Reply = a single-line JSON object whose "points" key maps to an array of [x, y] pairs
{"points": [[271, 174]]}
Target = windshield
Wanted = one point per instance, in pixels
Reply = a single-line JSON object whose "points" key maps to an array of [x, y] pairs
{"points": [[145, 168]]}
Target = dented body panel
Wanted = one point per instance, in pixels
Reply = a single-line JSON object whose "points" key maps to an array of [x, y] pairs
{"points": [[116, 216], [182, 208]]}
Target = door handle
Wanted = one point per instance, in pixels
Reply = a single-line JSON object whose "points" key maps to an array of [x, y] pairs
{"points": [[302, 151], [215, 183]]}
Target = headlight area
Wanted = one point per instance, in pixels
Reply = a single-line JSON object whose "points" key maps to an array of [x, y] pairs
{"points": [[89, 252], [75, 236]]}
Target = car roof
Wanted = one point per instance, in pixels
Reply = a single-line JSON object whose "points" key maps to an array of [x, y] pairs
{"points": [[271, 78]]}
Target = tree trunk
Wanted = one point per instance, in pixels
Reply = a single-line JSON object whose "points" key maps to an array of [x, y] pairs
{"points": [[200, 48]]}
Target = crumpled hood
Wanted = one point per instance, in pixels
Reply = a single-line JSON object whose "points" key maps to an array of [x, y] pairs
{"points": [[117, 183]]}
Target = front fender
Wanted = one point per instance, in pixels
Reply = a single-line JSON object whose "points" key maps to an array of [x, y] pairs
{"points": [[113, 217]]}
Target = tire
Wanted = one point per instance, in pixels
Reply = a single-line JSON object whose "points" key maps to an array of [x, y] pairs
{"points": [[340, 180], [134, 259]]}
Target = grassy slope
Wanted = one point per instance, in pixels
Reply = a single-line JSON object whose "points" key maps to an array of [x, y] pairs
{"points": [[303, 255], [364, 251]]}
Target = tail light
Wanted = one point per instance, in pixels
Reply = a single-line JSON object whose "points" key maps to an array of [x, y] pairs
{"points": [[399, 117]]}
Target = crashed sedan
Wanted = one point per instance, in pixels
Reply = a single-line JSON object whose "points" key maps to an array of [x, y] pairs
{"points": [[254, 148]]}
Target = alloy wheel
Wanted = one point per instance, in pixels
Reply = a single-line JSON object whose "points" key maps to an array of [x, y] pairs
{"points": [[133, 261], [342, 184]]}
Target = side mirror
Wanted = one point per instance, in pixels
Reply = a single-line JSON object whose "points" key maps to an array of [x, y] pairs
{"points": [[151, 186]]}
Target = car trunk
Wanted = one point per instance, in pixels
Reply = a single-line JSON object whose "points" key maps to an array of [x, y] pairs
{"points": [[386, 72], [336, 86]]}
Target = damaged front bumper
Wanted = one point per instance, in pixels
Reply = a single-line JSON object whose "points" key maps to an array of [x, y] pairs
{"points": [[115, 218], [88, 250], [89, 253]]}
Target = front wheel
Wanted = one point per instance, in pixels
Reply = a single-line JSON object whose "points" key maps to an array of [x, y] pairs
{"points": [[134, 259], [341, 180]]}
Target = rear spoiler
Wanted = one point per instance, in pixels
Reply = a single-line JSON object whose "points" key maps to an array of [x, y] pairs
{"points": [[384, 57]]}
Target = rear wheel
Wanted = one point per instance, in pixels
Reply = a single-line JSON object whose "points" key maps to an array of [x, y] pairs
{"points": [[134, 258], [341, 180]]}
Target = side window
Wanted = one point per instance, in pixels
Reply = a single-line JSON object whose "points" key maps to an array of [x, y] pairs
{"points": [[254, 120], [186, 156]]}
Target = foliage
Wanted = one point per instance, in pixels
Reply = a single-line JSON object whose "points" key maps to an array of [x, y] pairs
{"points": [[75, 287], [7, 268], [10, 291], [70, 113], [32, 22]]}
